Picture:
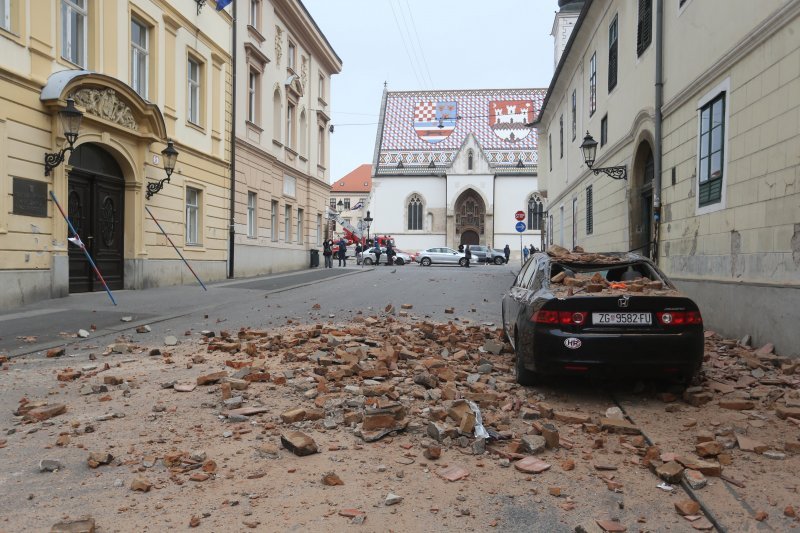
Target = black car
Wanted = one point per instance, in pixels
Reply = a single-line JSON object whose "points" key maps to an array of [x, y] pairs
{"points": [[613, 313]]}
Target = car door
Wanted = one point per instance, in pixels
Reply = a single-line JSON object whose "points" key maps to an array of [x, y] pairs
{"points": [[450, 256]]}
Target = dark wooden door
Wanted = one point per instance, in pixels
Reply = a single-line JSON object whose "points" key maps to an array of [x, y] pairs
{"points": [[95, 208]]}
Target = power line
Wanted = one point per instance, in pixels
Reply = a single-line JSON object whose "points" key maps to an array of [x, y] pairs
{"points": [[405, 46], [412, 45], [419, 43]]}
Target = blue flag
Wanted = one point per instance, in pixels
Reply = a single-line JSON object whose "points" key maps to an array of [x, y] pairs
{"points": [[222, 4]]}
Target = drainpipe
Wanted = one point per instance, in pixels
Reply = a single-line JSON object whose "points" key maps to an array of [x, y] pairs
{"points": [[232, 234], [658, 136]]}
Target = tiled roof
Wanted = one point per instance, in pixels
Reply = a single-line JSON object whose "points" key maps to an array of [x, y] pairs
{"points": [[358, 180], [424, 126]]}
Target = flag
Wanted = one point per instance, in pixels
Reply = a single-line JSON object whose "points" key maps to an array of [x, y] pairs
{"points": [[359, 205], [76, 241], [222, 4]]}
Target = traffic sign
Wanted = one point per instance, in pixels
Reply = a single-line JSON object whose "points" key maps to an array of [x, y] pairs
{"points": [[519, 215], [520, 227]]}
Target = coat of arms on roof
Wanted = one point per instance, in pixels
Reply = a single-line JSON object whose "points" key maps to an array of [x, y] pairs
{"points": [[508, 118], [435, 121]]}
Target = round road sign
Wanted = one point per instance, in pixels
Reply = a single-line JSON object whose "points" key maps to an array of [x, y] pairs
{"points": [[519, 215], [520, 227]]}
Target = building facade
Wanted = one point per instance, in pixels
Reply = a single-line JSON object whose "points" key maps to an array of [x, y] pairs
{"points": [[284, 68], [350, 196], [709, 134], [141, 72], [453, 167]]}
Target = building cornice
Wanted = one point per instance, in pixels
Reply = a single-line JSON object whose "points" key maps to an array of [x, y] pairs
{"points": [[305, 29], [271, 159]]}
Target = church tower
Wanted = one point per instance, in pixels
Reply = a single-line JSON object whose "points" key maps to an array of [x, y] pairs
{"points": [[562, 26]]}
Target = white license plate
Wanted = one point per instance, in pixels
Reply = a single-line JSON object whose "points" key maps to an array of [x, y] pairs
{"points": [[622, 319]]}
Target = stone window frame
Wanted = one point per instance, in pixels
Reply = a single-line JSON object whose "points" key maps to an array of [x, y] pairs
{"points": [[252, 214], [194, 212], [723, 90], [199, 84], [421, 208], [81, 7]]}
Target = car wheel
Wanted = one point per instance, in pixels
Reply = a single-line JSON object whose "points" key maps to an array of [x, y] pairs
{"points": [[426, 261], [498, 260], [524, 376], [367, 261], [462, 261], [399, 261]]}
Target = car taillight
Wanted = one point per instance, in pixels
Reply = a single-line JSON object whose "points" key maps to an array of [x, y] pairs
{"points": [[680, 318], [566, 318]]}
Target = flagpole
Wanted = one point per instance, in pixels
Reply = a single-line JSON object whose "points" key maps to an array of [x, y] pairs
{"points": [[80, 244]]}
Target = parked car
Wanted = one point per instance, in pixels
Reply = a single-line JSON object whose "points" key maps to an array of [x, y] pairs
{"points": [[484, 254], [615, 313], [441, 256], [400, 258]]}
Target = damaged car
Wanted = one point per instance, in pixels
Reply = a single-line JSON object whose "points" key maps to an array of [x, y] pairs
{"points": [[612, 313]]}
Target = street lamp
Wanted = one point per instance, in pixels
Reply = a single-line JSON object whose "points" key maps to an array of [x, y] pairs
{"points": [[70, 118], [589, 150], [340, 206], [368, 220], [170, 157]]}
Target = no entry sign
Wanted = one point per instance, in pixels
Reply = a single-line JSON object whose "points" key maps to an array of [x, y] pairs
{"points": [[519, 215]]}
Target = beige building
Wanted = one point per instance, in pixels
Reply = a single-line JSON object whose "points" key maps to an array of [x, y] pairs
{"points": [[284, 68], [141, 72], [713, 180], [350, 197]]}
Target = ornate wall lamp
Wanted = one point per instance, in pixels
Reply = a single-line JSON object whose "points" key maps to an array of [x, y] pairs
{"points": [[70, 118], [170, 157], [589, 150]]}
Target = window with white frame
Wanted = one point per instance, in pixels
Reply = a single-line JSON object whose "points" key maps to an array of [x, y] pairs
{"points": [[319, 228], [290, 125], [287, 223], [252, 220], [711, 151], [291, 55], [193, 90], [415, 212], [5, 15], [289, 185], [252, 94], [140, 57], [347, 204], [74, 31], [321, 147], [332, 203], [255, 12], [273, 220], [192, 215], [593, 84], [321, 87], [300, 226]]}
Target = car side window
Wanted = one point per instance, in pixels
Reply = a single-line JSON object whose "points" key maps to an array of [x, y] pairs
{"points": [[526, 277], [537, 281], [521, 276]]}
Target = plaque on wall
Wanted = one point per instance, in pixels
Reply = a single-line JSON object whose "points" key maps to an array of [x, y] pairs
{"points": [[30, 197]]}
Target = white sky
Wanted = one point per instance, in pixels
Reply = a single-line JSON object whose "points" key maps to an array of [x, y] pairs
{"points": [[453, 44]]}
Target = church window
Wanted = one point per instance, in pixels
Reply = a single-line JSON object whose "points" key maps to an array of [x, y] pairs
{"points": [[415, 213], [469, 160], [535, 213]]}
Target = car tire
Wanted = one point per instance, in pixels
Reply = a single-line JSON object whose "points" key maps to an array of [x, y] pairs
{"points": [[498, 260], [524, 376], [367, 261], [399, 261], [463, 261], [426, 261]]}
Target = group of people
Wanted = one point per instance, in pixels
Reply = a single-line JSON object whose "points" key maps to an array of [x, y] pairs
{"points": [[341, 253], [525, 252]]}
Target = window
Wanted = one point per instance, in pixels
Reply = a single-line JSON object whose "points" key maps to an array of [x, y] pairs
{"points": [[644, 26], [192, 215], [535, 213], [300, 226], [561, 136], [711, 152], [73, 31], [301, 131], [321, 147], [289, 185], [255, 10], [287, 223], [612, 54], [574, 222], [193, 90], [252, 91], [274, 220], [550, 150], [276, 116], [363, 202], [290, 125], [550, 236], [139, 57], [574, 117], [252, 221], [321, 87], [604, 131], [415, 213], [290, 55], [589, 211], [593, 84], [347, 204], [319, 228], [5, 14], [470, 157], [332, 203]]}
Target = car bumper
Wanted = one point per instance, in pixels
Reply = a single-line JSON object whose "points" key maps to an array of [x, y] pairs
{"points": [[640, 354]]}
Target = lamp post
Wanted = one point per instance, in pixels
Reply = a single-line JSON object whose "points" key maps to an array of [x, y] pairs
{"points": [[368, 220], [340, 206], [170, 157], [70, 119], [589, 151]]}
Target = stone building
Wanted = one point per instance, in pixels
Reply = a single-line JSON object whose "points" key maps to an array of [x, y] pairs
{"points": [[284, 67], [699, 102], [353, 192], [141, 72], [453, 167]]}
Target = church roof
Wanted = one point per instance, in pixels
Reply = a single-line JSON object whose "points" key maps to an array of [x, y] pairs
{"points": [[357, 180], [420, 130]]}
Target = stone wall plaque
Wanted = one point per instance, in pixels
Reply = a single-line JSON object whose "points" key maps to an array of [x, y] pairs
{"points": [[30, 197]]}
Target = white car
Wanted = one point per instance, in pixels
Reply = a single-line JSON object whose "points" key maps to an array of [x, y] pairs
{"points": [[400, 258], [441, 256]]}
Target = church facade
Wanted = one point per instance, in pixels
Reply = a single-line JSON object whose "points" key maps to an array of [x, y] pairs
{"points": [[453, 167]]}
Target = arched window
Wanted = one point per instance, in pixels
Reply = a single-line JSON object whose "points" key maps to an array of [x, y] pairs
{"points": [[535, 213], [415, 213], [469, 160], [276, 115]]}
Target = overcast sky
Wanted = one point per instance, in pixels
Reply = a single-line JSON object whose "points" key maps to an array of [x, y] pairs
{"points": [[425, 45]]}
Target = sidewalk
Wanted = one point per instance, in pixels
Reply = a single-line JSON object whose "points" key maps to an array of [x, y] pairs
{"points": [[50, 323]]}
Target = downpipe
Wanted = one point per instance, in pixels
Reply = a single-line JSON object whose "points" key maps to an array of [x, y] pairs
{"points": [[659, 101]]}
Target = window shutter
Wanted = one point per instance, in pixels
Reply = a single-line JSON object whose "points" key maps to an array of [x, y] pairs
{"points": [[589, 211], [644, 32]]}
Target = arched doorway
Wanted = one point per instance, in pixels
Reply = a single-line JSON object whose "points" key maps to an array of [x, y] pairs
{"points": [[95, 206], [470, 217], [641, 202]]}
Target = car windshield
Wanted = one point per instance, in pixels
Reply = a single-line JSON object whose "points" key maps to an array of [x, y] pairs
{"points": [[612, 273]]}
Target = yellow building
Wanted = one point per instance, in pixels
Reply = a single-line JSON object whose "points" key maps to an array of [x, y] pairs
{"points": [[141, 72]]}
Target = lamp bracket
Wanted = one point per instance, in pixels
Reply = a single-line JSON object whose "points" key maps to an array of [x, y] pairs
{"points": [[154, 187], [617, 173], [53, 159]]}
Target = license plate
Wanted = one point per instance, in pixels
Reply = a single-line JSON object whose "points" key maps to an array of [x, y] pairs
{"points": [[622, 319]]}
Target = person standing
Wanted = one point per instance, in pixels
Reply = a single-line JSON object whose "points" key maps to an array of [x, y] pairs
{"points": [[533, 249], [327, 252], [359, 252], [389, 254], [507, 252], [377, 251], [342, 252], [467, 255], [525, 253]]}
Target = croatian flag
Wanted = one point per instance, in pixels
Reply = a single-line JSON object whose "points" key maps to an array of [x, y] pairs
{"points": [[222, 4], [435, 121]]}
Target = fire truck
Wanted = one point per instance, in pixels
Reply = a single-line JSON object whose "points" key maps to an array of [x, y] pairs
{"points": [[353, 235]]}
